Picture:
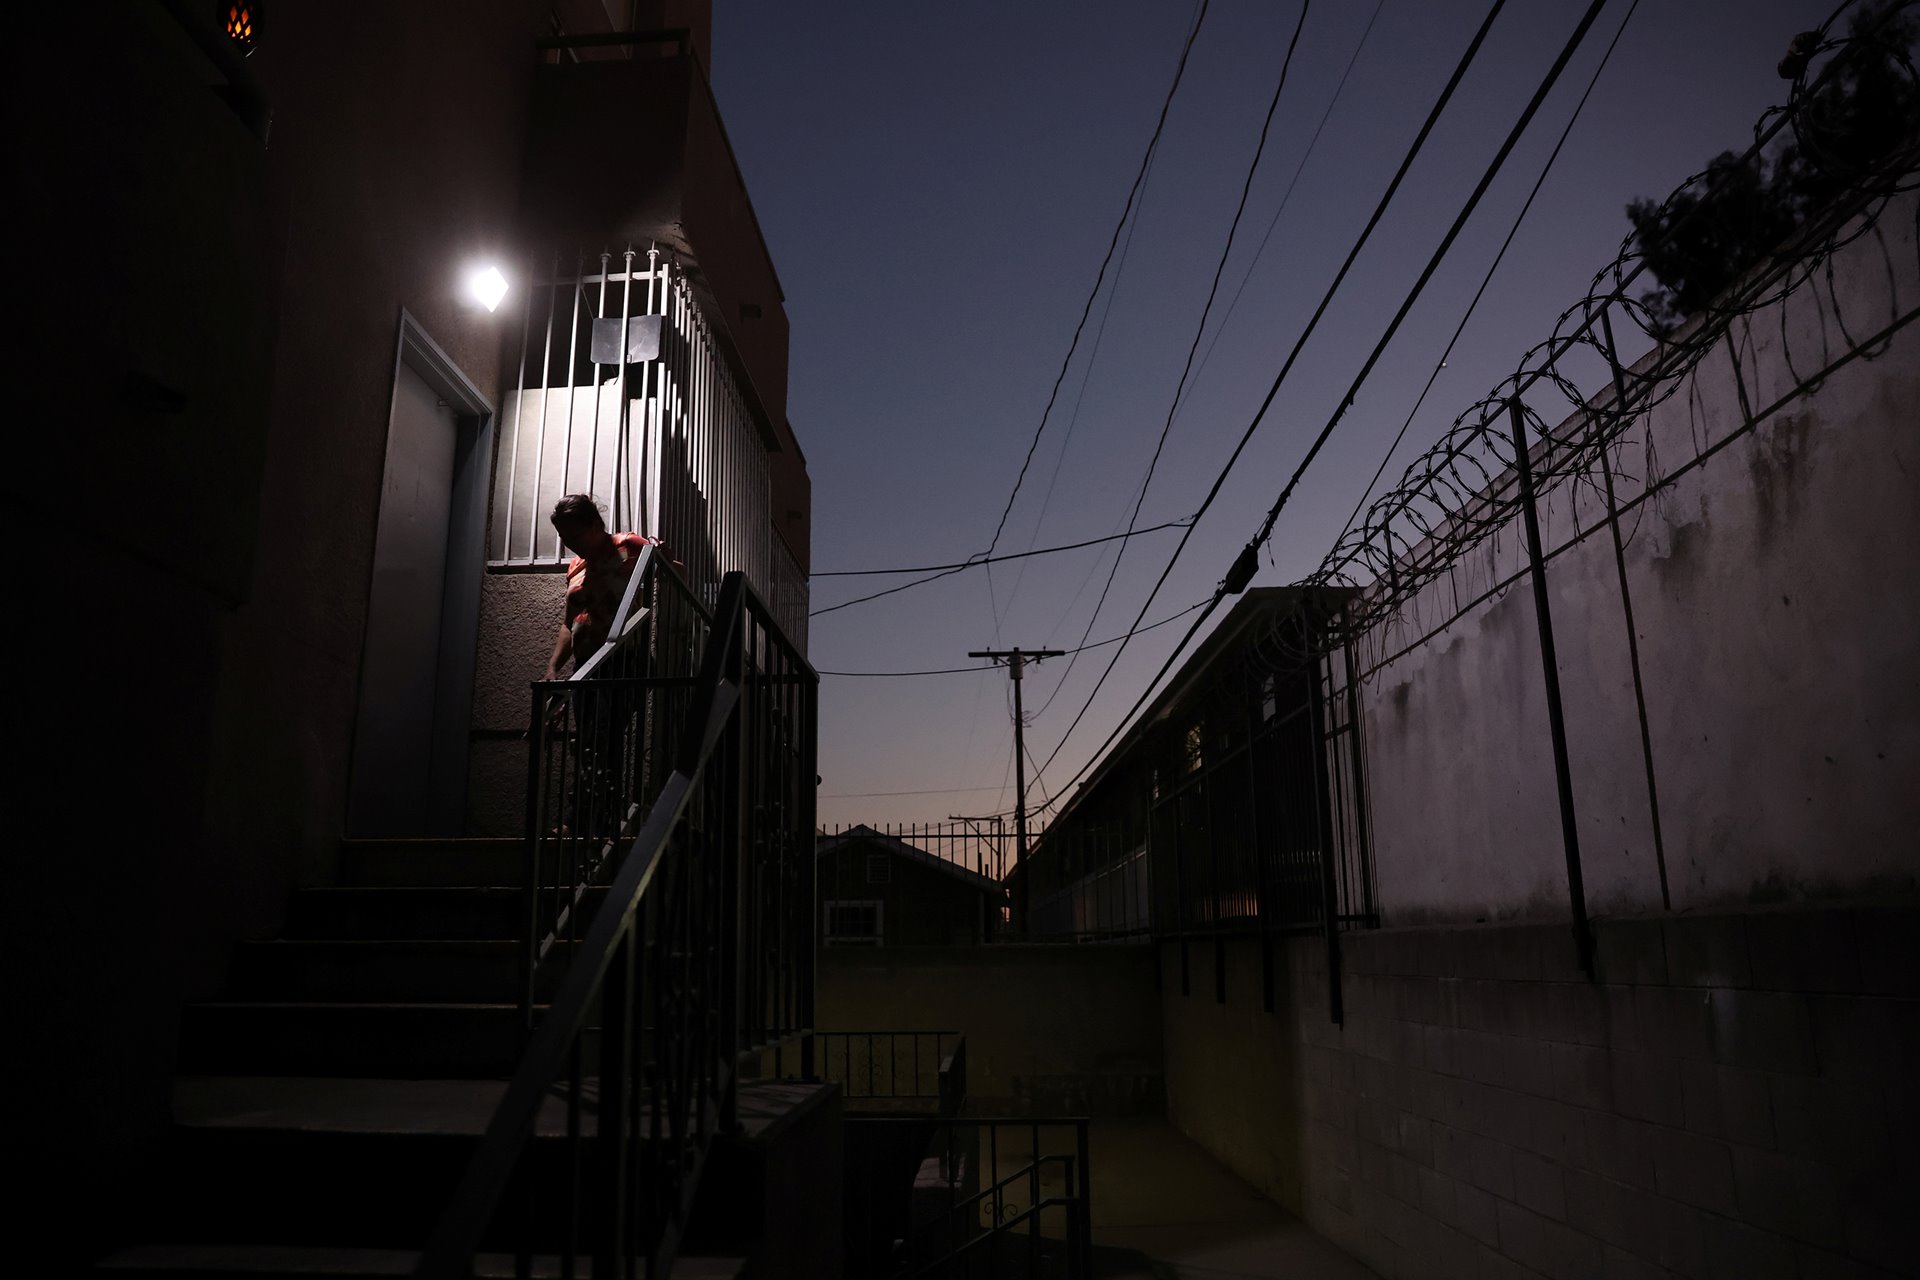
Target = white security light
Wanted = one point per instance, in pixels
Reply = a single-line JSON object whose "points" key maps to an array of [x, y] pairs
{"points": [[487, 286]]}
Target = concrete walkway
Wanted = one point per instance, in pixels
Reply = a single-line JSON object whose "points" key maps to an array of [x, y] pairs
{"points": [[1163, 1208]]}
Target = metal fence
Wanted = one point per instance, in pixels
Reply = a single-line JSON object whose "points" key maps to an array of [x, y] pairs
{"points": [[888, 1070], [701, 950], [983, 846], [624, 391]]}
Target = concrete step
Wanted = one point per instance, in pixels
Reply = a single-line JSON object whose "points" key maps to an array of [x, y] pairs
{"points": [[281, 1262], [378, 970], [281, 1161], [447, 863], [417, 913], [401, 1041]]}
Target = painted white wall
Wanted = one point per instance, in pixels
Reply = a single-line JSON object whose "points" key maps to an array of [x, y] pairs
{"points": [[1776, 587]]}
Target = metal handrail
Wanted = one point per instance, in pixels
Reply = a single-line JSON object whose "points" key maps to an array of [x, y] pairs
{"points": [[596, 752], [669, 964], [1076, 1168]]}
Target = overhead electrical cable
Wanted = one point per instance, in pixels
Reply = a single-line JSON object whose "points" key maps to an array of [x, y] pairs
{"points": [[946, 571], [1246, 561], [1487, 279], [1011, 555], [1286, 196], [1126, 212], [947, 671], [1326, 300], [1199, 331]]}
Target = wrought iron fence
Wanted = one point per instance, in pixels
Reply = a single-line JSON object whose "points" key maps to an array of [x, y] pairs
{"points": [[910, 1070], [701, 949], [983, 846]]}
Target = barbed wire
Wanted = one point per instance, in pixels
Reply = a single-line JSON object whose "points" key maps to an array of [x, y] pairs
{"points": [[1463, 491]]}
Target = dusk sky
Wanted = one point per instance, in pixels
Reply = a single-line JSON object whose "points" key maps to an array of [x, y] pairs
{"points": [[938, 184]]}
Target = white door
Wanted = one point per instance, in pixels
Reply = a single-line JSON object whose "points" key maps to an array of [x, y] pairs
{"points": [[394, 741]]}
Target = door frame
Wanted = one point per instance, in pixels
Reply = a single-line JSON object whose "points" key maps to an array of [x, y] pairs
{"points": [[474, 419]]}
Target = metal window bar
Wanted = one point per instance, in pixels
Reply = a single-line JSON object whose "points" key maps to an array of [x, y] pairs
{"points": [[669, 441]]}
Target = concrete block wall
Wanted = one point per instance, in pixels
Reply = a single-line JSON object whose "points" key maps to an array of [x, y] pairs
{"points": [[1734, 1096]]}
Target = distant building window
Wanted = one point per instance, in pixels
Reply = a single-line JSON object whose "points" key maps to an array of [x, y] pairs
{"points": [[879, 869], [1269, 696], [1196, 754], [850, 924]]}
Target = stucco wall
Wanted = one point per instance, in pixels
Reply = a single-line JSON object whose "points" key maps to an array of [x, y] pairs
{"points": [[1050, 1030], [1776, 588], [519, 619]]}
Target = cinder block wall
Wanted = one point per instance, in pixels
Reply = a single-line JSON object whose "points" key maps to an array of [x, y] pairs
{"points": [[1735, 1096]]}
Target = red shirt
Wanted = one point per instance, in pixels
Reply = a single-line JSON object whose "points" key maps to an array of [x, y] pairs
{"points": [[594, 588]]}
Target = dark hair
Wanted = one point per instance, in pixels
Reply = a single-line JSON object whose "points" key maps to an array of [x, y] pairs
{"points": [[577, 509]]}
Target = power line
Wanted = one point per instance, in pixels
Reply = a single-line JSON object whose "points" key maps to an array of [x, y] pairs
{"points": [[1433, 264], [1011, 555], [1199, 332], [950, 570], [947, 671], [1073, 419], [1493, 168], [1286, 196], [1133, 194], [1486, 280], [1366, 233]]}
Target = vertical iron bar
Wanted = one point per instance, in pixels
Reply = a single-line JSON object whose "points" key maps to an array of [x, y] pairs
{"points": [[1362, 827], [573, 358], [540, 441], [1549, 663], [570, 1251], [1317, 781], [519, 404], [1085, 1167], [530, 862], [1626, 603], [611, 1220], [593, 439]]}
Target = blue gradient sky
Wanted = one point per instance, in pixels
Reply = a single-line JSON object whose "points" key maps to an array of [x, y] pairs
{"points": [[938, 183]]}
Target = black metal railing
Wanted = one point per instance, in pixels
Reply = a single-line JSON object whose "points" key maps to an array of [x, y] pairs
{"points": [[890, 1070], [1008, 1197], [600, 750], [701, 951]]}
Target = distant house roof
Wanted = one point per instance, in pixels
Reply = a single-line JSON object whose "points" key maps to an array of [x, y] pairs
{"points": [[863, 834]]}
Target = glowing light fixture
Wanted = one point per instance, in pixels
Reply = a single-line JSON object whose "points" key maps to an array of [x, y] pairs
{"points": [[487, 286], [241, 18]]}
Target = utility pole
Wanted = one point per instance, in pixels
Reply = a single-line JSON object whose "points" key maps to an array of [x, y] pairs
{"points": [[1017, 660], [998, 841]]}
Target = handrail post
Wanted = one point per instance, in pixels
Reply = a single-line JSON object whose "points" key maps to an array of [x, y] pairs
{"points": [[530, 862], [1085, 1233]]}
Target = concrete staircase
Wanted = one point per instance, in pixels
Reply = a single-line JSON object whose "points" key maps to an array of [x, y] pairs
{"points": [[327, 1104]]}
